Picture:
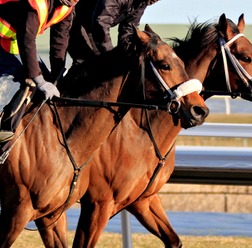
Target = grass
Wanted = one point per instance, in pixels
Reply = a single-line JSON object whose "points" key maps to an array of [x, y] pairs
{"points": [[107, 240]]}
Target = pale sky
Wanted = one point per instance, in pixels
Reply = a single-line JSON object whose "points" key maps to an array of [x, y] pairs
{"points": [[184, 11]]}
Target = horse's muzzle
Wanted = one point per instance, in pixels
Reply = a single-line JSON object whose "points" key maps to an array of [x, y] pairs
{"points": [[195, 117], [198, 114]]}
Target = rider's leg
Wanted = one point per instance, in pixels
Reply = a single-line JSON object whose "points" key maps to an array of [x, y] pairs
{"points": [[10, 72]]}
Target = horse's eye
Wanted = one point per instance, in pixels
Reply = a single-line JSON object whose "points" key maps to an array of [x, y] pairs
{"points": [[165, 67], [245, 58]]}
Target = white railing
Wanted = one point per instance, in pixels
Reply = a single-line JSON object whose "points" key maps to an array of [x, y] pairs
{"points": [[219, 130], [214, 164], [208, 165]]}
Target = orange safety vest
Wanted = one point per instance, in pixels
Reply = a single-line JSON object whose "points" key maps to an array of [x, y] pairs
{"points": [[8, 38]]}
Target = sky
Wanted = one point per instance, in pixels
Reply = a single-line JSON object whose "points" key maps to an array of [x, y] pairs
{"points": [[185, 11]]}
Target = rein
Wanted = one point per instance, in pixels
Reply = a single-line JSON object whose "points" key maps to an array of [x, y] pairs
{"points": [[65, 101]]}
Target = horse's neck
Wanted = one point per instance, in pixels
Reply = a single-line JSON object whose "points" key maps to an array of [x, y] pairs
{"points": [[199, 66], [161, 126], [87, 128], [86, 78], [109, 92]]}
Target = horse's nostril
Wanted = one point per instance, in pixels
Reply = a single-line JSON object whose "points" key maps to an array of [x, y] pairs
{"points": [[199, 112]]}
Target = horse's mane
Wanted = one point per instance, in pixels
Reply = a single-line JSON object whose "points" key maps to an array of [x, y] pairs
{"points": [[101, 71], [200, 36], [91, 74]]}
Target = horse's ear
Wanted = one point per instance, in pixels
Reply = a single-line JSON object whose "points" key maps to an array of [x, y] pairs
{"points": [[143, 37], [224, 29], [241, 23], [147, 28], [222, 25]]}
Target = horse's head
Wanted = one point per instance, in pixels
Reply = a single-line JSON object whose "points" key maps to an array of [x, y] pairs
{"points": [[166, 81], [238, 51], [219, 55]]}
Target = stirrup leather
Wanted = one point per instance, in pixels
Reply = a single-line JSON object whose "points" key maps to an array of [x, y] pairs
{"points": [[19, 98]]}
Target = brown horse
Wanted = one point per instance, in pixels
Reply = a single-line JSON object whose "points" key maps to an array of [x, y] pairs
{"points": [[38, 181], [219, 55], [123, 167]]}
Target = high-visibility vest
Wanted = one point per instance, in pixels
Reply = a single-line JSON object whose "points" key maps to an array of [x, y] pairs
{"points": [[8, 38]]}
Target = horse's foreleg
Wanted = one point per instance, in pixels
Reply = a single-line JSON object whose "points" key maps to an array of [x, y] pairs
{"points": [[53, 235], [92, 221], [151, 215], [12, 223]]}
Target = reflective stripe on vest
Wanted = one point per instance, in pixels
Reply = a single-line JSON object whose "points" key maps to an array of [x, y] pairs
{"points": [[8, 34], [42, 10], [8, 37], [7, 1], [59, 14]]}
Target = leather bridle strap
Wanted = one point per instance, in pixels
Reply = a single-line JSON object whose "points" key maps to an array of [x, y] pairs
{"points": [[182, 90], [161, 158], [225, 50]]}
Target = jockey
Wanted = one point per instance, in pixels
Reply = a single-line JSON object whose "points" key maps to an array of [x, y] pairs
{"points": [[20, 23], [90, 32]]}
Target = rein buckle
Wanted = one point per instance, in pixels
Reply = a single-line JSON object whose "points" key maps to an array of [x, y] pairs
{"points": [[173, 106]]}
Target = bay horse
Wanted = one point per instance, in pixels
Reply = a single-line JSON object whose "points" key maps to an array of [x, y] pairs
{"points": [[142, 144], [220, 56], [38, 180]]}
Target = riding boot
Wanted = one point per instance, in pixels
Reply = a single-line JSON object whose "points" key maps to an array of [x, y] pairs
{"points": [[14, 111]]}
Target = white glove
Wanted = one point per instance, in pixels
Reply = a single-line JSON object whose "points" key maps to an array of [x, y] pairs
{"points": [[47, 88]]}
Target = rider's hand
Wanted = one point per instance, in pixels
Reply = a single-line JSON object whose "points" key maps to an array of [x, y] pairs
{"points": [[47, 88]]}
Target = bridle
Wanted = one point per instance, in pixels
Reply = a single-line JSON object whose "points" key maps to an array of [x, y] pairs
{"points": [[174, 96], [225, 51]]}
